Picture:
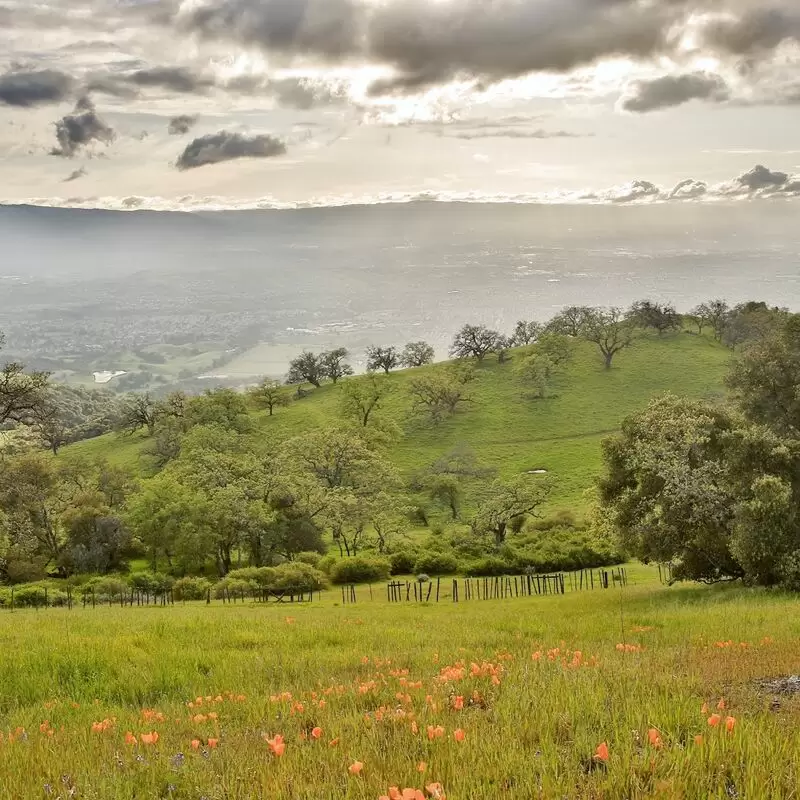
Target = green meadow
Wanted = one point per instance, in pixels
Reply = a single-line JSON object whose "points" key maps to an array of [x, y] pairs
{"points": [[639, 691]]}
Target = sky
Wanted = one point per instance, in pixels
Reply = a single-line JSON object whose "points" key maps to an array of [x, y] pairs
{"points": [[279, 103]]}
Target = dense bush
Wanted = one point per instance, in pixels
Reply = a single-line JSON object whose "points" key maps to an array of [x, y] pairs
{"points": [[191, 589], [255, 577], [298, 576], [233, 588], [150, 582], [489, 567], [436, 564], [360, 569], [403, 561], [310, 557], [326, 563]]}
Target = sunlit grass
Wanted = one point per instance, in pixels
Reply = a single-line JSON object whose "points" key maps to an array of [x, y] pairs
{"points": [[531, 723]]}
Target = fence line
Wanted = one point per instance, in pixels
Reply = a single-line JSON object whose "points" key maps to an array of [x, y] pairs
{"points": [[397, 591]]}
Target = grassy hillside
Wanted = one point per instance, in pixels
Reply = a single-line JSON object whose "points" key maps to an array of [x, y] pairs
{"points": [[506, 427]]}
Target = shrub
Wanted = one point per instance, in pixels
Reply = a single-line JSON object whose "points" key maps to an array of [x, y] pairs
{"points": [[110, 588], [151, 582], [402, 562], [302, 577], [191, 589], [233, 588], [326, 563], [489, 567], [423, 578], [436, 564], [310, 557], [29, 595], [255, 577], [360, 569]]}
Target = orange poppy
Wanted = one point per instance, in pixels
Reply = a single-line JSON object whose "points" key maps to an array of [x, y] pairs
{"points": [[601, 754], [699, 739], [730, 724], [212, 743], [130, 738], [355, 768], [435, 790], [655, 738], [333, 742], [149, 738], [195, 744], [459, 735], [714, 720], [277, 745], [422, 766], [316, 733], [458, 703], [721, 704]]}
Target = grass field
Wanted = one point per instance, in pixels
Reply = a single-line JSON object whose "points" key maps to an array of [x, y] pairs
{"points": [[394, 689], [504, 425]]}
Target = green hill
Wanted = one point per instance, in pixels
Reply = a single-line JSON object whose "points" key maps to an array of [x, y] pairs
{"points": [[506, 427]]}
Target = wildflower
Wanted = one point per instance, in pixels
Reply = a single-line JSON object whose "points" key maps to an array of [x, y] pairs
{"points": [[333, 742], [212, 743], [414, 728], [458, 703], [130, 738], [601, 754], [422, 766], [714, 720], [195, 744], [435, 732], [355, 768], [213, 715], [435, 790], [276, 745], [721, 704], [698, 740], [198, 718], [316, 733], [655, 738], [730, 724], [459, 735], [149, 738], [704, 709]]}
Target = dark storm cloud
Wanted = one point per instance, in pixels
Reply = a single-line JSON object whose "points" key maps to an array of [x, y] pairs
{"points": [[674, 90], [431, 42], [79, 129], [756, 31], [226, 146], [181, 124], [35, 87], [177, 79], [325, 28]]}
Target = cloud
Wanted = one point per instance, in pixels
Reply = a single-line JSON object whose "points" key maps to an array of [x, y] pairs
{"points": [[79, 129], [755, 32], [75, 175], [674, 90], [34, 88], [433, 42], [181, 124], [688, 189], [512, 133], [177, 79], [762, 182], [226, 146]]}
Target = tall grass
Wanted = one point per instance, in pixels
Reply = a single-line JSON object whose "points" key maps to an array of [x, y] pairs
{"points": [[366, 674]]}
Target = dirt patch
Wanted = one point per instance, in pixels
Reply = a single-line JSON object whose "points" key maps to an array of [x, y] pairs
{"points": [[787, 685]]}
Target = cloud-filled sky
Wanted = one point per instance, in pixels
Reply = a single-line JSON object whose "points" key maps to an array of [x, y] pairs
{"points": [[207, 103]]}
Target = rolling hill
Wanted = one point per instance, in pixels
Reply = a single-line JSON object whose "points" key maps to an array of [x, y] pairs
{"points": [[504, 425]]}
